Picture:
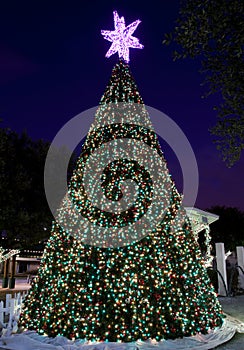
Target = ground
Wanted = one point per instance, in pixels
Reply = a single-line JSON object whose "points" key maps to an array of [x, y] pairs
{"points": [[233, 306]]}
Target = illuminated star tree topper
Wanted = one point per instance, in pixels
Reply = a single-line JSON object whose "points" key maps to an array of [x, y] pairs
{"points": [[121, 37]]}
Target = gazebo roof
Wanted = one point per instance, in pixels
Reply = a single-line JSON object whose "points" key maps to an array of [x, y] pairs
{"points": [[201, 216]]}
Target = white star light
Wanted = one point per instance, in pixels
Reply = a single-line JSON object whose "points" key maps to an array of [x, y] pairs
{"points": [[121, 37]]}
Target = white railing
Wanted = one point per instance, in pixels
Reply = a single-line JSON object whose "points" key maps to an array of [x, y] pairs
{"points": [[10, 312]]}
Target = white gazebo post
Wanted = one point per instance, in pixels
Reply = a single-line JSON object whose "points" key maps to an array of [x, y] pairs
{"points": [[240, 263], [221, 267]]}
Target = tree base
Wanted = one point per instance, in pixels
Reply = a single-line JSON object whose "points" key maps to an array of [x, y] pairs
{"points": [[31, 340]]}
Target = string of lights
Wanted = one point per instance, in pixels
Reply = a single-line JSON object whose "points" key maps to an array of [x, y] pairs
{"points": [[154, 288]]}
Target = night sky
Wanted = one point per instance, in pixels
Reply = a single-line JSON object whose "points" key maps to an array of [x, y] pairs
{"points": [[53, 66]]}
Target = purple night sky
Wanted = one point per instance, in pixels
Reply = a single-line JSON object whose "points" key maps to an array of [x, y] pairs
{"points": [[53, 66]]}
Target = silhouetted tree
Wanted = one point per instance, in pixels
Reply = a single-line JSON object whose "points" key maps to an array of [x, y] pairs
{"points": [[214, 31], [229, 229], [23, 207]]}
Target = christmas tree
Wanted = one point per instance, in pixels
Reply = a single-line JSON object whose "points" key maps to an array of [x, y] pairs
{"points": [[97, 283]]}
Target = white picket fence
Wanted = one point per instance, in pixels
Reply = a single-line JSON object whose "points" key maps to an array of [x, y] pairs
{"points": [[11, 309]]}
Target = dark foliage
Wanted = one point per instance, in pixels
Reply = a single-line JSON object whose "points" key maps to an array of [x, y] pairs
{"points": [[25, 217], [214, 31], [229, 229]]}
